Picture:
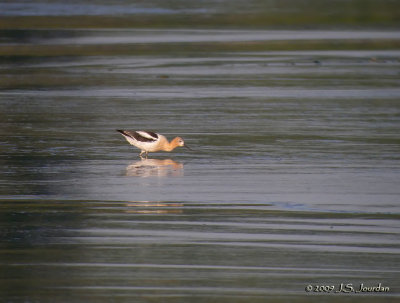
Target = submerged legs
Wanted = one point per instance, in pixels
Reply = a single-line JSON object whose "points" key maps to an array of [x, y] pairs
{"points": [[145, 154]]}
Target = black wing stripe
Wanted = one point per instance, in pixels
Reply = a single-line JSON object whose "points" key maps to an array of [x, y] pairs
{"points": [[126, 133], [140, 138], [123, 132], [154, 135]]}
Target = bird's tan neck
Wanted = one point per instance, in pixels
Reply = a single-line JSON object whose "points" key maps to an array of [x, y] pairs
{"points": [[169, 146]]}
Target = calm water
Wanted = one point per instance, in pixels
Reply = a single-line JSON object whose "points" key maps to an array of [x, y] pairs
{"points": [[293, 181]]}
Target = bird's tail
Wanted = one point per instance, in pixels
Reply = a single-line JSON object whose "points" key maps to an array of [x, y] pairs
{"points": [[123, 132]]}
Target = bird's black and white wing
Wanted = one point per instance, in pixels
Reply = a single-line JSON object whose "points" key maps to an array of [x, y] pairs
{"points": [[134, 137], [145, 136]]}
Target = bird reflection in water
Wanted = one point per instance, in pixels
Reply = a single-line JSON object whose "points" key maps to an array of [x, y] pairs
{"points": [[154, 207], [155, 168]]}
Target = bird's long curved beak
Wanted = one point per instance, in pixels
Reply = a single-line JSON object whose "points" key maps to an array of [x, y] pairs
{"points": [[188, 147]]}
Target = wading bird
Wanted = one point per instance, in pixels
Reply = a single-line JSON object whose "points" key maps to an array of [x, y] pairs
{"points": [[151, 142]]}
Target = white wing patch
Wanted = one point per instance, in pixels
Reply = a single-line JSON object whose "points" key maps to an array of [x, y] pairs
{"points": [[146, 135]]}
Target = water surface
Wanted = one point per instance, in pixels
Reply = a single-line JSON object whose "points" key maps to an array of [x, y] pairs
{"points": [[293, 181]]}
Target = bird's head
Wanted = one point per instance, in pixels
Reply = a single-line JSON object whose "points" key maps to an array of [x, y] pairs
{"points": [[179, 142]]}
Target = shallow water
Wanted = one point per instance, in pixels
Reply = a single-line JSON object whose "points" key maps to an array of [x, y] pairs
{"points": [[293, 179]]}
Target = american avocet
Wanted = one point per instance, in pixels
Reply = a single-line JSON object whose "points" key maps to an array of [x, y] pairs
{"points": [[151, 142]]}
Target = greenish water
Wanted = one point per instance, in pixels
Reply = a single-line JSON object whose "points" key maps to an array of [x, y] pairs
{"points": [[293, 179], [199, 14]]}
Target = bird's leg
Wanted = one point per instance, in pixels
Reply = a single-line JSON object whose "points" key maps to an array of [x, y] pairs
{"points": [[141, 154], [147, 154]]}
